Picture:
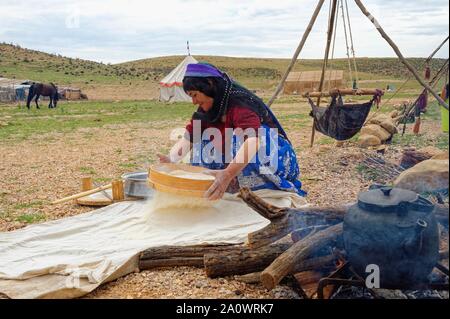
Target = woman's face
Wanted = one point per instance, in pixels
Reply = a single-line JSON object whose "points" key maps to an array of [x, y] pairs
{"points": [[202, 100]]}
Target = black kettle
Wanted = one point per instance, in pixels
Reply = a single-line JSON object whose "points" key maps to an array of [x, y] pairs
{"points": [[396, 230]]}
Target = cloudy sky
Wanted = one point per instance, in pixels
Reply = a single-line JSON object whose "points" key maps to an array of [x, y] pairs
{"points": [[122, 30]]}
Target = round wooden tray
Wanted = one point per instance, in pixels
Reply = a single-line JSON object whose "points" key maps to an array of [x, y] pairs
{"points": [[160, 179], [96, 199]]}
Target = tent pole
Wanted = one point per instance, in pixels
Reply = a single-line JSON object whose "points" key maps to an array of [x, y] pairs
{"points": [[400, 55], [443, 70], [297, 52], [437, 49], [325, 60]]}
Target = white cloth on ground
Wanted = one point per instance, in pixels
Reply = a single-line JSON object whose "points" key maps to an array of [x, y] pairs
{"points": [[70, 257]]}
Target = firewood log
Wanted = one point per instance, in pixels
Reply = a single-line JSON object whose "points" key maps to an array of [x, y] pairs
{"points": [[171, 256], [251, 278], [243, 261], [165, 252], [285, 220], [317, 263], [297, 253], [146, 264], [411, 157], [308, 277]]}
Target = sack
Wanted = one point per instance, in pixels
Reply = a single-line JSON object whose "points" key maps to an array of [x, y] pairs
{"points": [[340, 121]]}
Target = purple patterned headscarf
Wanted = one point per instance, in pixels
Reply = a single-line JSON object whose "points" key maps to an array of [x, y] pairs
{"points": [[202, 70]]}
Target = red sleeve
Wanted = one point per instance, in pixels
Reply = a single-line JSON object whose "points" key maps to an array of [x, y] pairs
{"points": [[189, 131], [241, 117], [190, 127]]}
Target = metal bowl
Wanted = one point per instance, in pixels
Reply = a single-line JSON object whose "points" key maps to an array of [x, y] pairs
{"points": [[135, 185]]}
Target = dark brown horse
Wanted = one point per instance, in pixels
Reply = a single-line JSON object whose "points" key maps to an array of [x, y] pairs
{"points": [[38, 89]]}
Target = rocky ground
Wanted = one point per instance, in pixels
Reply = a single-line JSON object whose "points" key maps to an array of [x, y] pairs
{"points": [[35, 171]]}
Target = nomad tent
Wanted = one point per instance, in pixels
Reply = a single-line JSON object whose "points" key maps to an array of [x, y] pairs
{"points": [[309, 81], [171, 87]]}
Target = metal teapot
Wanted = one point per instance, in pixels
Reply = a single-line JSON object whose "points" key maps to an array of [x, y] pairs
{"points": [[396, 230]]}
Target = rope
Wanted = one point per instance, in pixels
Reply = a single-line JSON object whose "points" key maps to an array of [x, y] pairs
{"points": [[329, 18], [332, 50], [421, 66], [346, 42], [433, 84], [325, 60], [438, 74], [352, 46], [437, 50], [333, 11]]}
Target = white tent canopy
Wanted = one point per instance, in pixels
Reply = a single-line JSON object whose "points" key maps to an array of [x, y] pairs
{"points": [[171, 87]]}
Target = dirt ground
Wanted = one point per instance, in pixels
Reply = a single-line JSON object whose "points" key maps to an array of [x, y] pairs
{"points": [[36, 171]]}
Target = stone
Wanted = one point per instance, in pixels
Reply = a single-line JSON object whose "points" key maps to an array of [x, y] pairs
{"points": [[380, 118], [390, 293], [225, 291], [200, 284], [427, 176], [367, 140], [376, 130], [389, 126], [394, 114], [284, 292], [431, 150], [441, 156]]}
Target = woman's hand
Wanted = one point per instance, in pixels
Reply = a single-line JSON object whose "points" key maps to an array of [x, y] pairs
{"points": [[163, 158], [222, 179]]}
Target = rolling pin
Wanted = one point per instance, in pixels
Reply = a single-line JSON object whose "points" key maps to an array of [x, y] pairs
{"points": [[82, 194]]}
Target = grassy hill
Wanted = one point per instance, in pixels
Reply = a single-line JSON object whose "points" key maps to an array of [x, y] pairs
{"points": [[265, 73], [256, 73], [20, 63]]}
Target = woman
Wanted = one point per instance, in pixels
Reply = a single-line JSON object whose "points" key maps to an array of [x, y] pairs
{"points": [[257, 152]]}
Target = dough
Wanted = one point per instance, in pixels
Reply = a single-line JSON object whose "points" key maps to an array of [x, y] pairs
{"points": [[191, 175]]}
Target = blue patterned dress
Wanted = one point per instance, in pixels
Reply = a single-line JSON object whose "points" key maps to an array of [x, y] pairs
{"points": [[277, 168]]}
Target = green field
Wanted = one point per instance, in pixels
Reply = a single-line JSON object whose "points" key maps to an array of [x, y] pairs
{"points": [[21, 123], [18, 124]]}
